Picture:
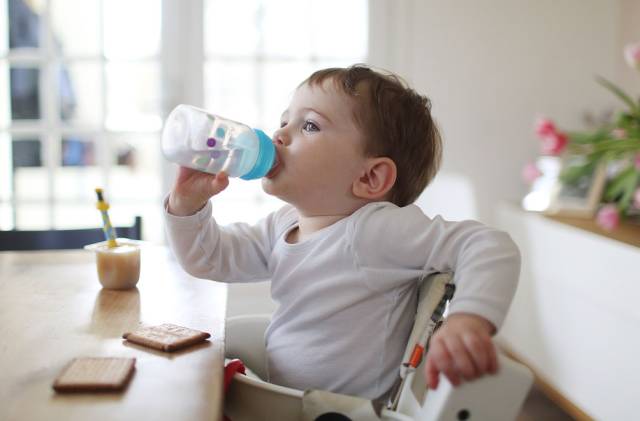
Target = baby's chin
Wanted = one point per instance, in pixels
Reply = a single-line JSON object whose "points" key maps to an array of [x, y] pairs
{"points": [[268, 186]]}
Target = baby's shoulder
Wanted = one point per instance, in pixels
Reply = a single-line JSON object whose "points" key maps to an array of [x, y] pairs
{"points": [[283, 219], [387, 214]]}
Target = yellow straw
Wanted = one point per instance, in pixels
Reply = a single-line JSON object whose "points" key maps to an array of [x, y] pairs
{"points": [[107, 228]]}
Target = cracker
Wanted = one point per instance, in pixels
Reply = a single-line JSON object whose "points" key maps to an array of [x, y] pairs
{"points": [[166, 337], [95, 375]]}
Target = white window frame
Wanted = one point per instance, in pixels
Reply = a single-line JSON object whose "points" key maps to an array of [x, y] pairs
{"points": [[50, 129]]}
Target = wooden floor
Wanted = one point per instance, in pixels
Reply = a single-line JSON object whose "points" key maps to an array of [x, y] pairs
{"points": [[538, 407]]}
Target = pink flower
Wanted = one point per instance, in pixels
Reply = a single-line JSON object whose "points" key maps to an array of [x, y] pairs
{"points": [[608, 217], [530, 172], [554, 143], [544, 127], [636, 199], [619, 133], [632, 55], [637, 162]]}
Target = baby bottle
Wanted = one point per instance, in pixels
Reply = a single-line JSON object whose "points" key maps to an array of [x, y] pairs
{"points": [[206, 142]]}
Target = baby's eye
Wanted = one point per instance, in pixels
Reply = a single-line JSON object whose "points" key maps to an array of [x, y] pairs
{"points": [[310, 126], [282, 124]]}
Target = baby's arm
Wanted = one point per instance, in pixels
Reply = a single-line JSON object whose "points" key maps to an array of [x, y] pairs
{"points": [[205, 250], [485, 263]]}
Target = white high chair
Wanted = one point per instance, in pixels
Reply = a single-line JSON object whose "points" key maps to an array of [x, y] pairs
{"points": [[492, 398]]}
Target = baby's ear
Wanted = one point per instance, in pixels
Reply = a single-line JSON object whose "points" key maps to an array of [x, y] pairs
{"points": [[377, 179]]}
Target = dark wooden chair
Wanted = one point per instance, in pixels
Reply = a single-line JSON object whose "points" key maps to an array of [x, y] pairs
{"points": [[63, 239]]}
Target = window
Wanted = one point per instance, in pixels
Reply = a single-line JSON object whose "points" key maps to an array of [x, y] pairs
{"points": [[88, 82]]}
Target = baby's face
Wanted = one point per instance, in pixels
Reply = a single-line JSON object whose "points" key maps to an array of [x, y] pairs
{"points": [[320, 152]]}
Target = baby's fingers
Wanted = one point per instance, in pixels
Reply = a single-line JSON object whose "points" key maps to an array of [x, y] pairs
{"points": [[219, 183], [482, 351], [431, 373], [463, 362], [439, 360]]}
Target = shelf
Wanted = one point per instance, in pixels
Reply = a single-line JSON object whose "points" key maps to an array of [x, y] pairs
{"points": [[626, 232]]}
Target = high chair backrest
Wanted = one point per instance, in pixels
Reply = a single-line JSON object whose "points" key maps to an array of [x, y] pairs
{"points": [[434, 292], [431, 291]]}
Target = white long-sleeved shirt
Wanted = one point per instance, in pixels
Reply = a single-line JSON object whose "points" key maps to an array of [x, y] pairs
{"points": [[347, 294]]}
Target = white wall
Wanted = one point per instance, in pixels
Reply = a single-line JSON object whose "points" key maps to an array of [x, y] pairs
{"points": [[490, 68], [575, 315]]}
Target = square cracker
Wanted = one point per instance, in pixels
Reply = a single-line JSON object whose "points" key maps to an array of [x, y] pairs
{"points": [[166, 337], [95, 375]]}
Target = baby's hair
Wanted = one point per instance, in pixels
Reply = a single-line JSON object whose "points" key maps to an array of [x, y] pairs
{"points": [[396, 123]]}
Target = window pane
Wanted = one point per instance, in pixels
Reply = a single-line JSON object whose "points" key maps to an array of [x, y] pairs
{"points": [[6, 217], [283, 79], [231, 27], [5, 97], [73, 184], [30, 178], [76, 25], [4, 28], [33, 216], [77, 215], [244, 201], [26, 153], [285, 28], [135, 174], [230, 89], [24, 23], [122, 213], [6, 166], [81, 94], [78, 151], [31, 184], [339, 28], [133, 97], [25, 93], [131, 28]]}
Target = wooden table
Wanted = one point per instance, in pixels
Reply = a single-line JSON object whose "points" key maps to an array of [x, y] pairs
{"points": [[52, 309]]}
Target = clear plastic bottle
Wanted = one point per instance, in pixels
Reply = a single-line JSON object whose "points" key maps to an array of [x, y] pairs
{"points": [[194, 138]]}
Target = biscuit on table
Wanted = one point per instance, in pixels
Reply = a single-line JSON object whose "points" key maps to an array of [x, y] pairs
{"points": [[166, 337], [95, 375]]}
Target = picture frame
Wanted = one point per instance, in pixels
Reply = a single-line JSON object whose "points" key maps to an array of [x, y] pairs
{"points": [[580, 199], [550, 196]]}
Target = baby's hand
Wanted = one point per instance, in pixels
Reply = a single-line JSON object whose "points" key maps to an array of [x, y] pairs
{"points": [[461, 349], [193, 189]]}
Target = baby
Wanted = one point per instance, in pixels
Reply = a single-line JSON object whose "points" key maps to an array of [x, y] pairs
{"points": [[355, 148]]}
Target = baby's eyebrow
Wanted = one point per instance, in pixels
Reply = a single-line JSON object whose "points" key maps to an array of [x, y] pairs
{"points": [[317, 112], [284, 115]]}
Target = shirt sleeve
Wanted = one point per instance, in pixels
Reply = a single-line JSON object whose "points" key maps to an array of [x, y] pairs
{"points": [[237, 252], [485, 261]]}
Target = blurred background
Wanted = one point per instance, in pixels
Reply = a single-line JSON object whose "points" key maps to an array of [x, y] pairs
{"points": [[85, 86]]}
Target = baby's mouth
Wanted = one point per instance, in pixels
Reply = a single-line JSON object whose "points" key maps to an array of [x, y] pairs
{"points": [[276, 167]]}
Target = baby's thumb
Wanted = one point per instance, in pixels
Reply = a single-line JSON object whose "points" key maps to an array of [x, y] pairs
{"points": [[219, 183]]}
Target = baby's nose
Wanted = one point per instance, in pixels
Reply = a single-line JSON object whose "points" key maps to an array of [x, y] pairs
{"points": [[280, 138]]}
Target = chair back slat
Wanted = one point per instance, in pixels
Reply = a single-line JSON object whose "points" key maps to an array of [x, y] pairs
{"points": [[17, 240]]}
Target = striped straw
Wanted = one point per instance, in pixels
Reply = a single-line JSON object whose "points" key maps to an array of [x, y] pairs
{"points": [[107, 228]]}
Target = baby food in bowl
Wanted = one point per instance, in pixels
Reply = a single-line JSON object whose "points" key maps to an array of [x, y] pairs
{"points": [[118, 267]]}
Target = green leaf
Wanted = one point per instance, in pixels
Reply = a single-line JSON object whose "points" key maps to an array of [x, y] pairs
{"points": [[572, 174], [629, 189], [579, 137], [619, 93], [620, 184]]}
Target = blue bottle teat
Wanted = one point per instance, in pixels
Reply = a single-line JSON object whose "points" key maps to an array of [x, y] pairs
{"points": [[266, 157]]}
